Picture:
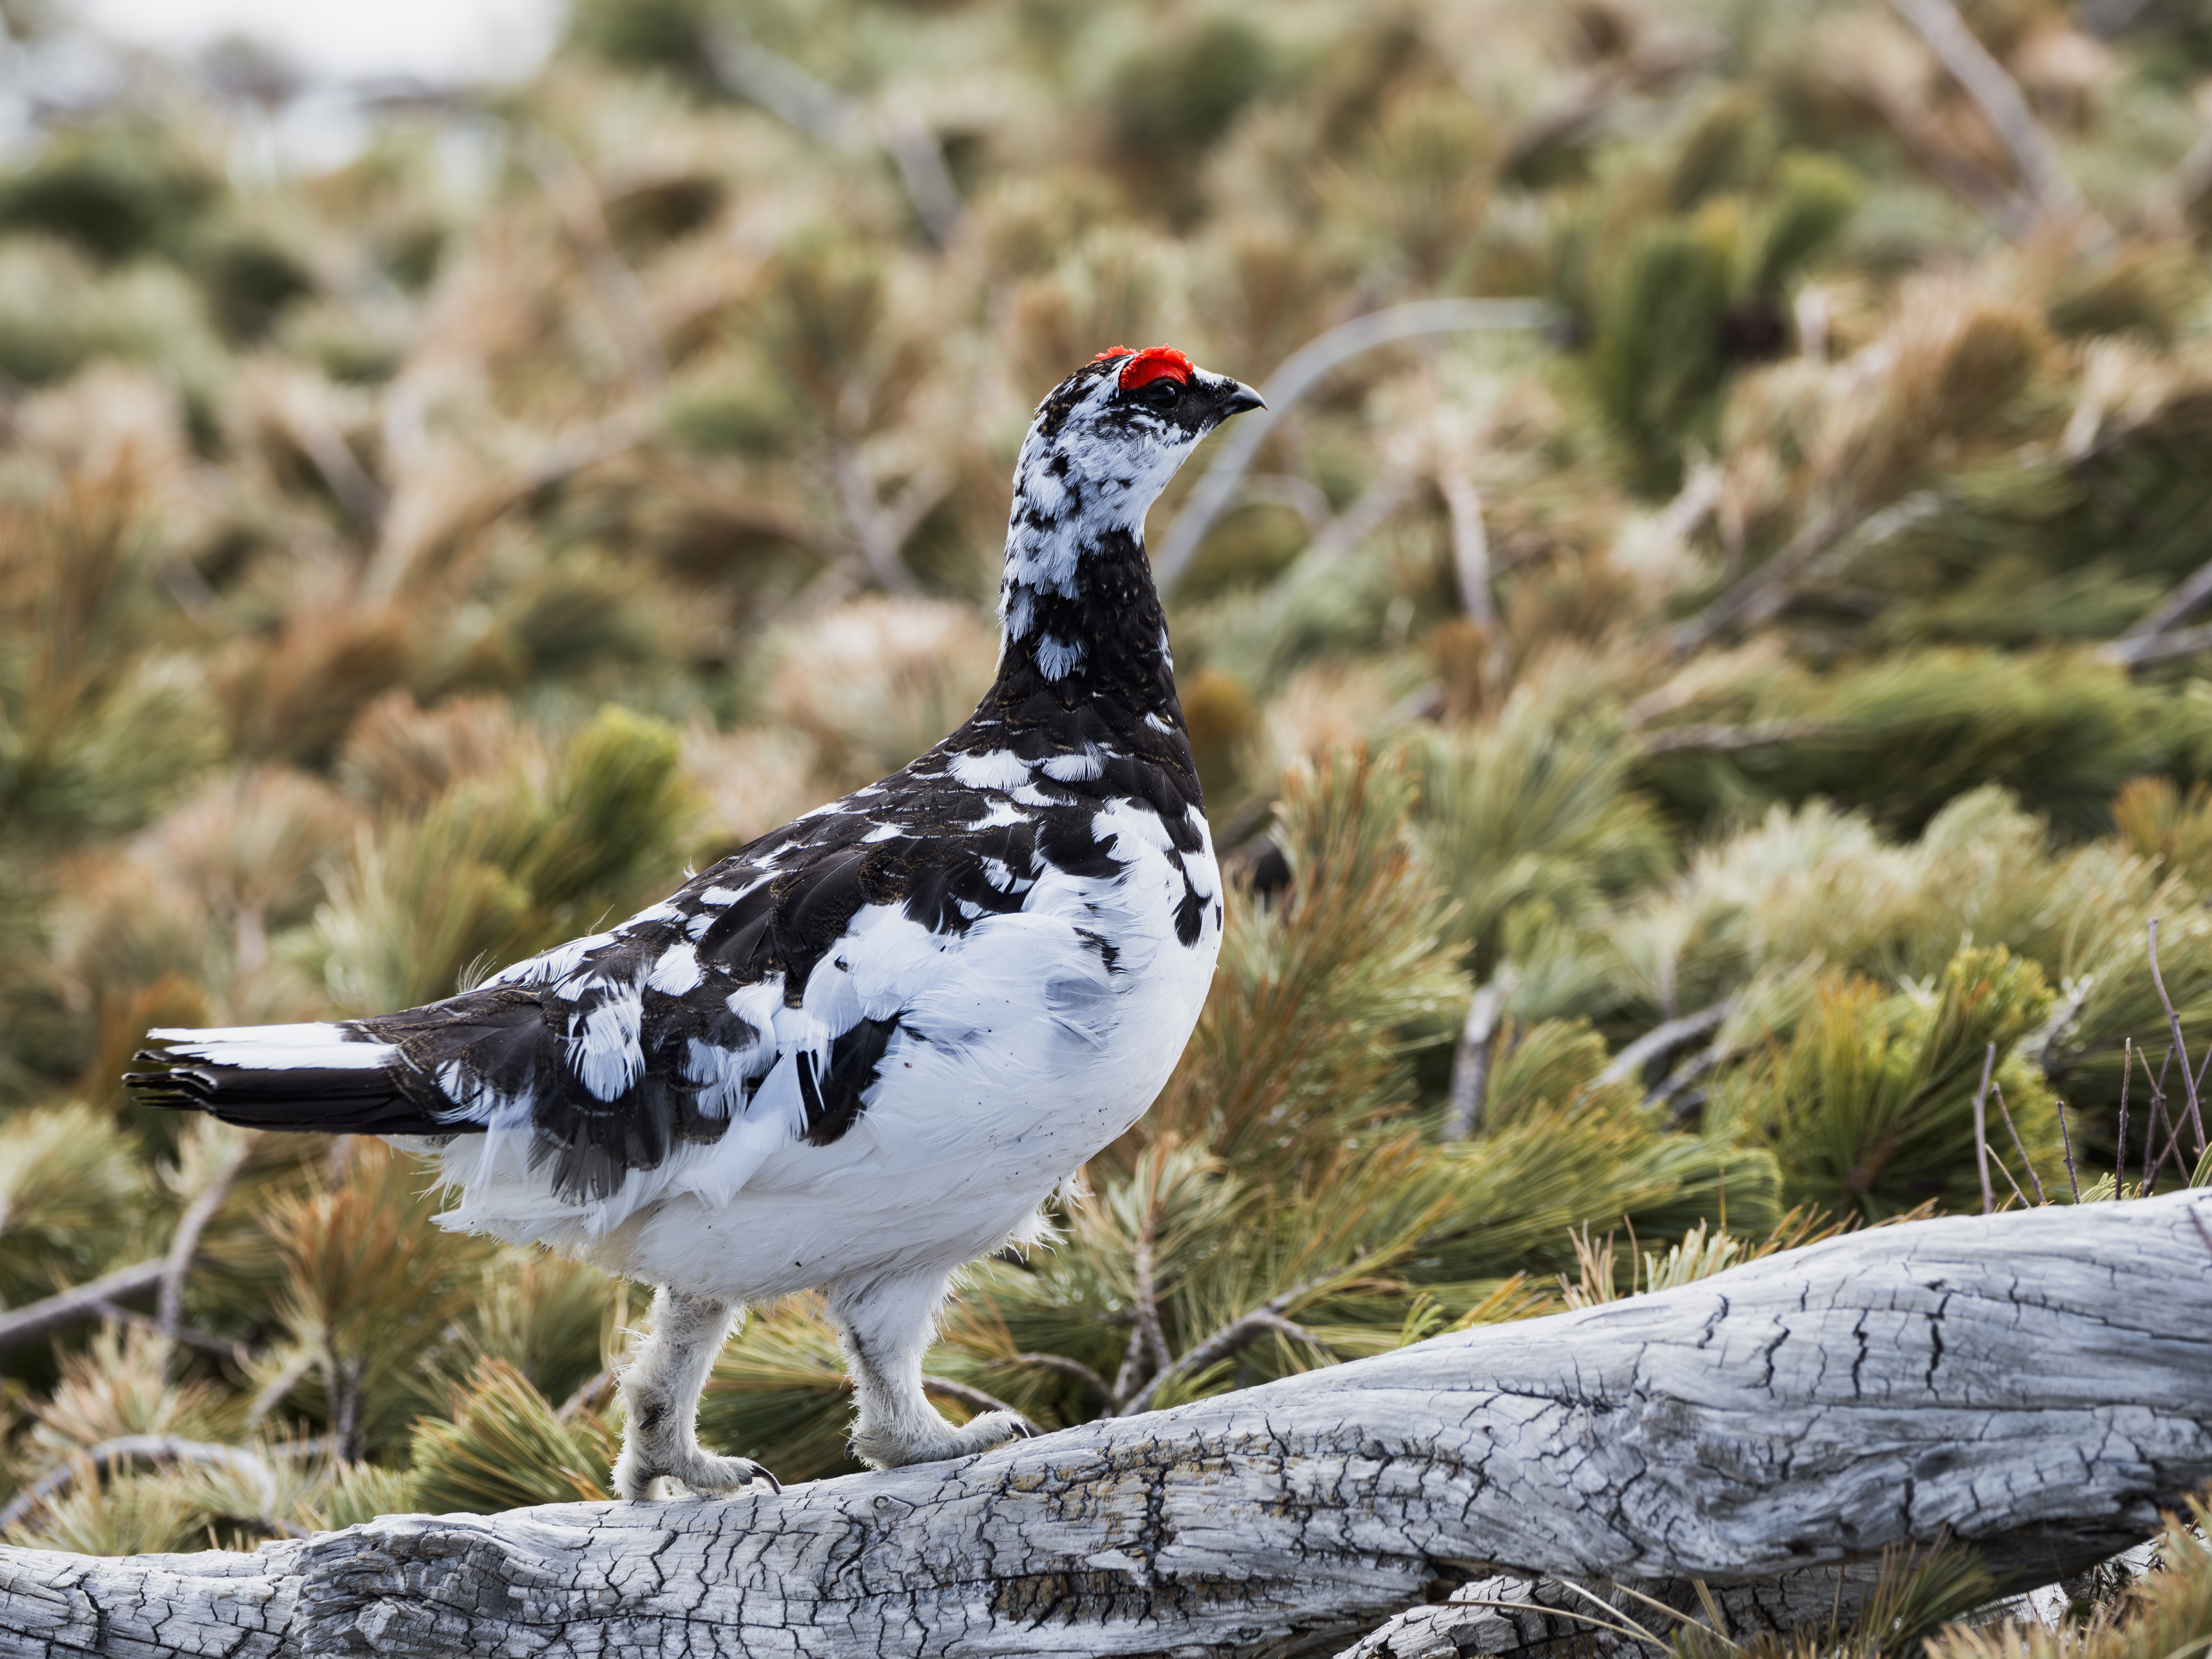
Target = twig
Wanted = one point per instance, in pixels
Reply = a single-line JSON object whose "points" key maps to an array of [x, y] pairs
{"points": [[274, 1390], [1959, 50], [1663, 1040], [1222, 1343], [581, 1397], [2025, 1162], [1148, 1344], [974, 1399], [1470, 543], [2067, 1136], [2165, 202], [881, 528], [2172, 1145], [2173, 1023], [1594, 1596], [1093, 1382], [327, 450], [100, 1460], [1301, 495], [569, 186], [1723, 739], [1677, 1082], [1470, 1077], [2186, 595], [1339, 535], [752, 72], [588, 445], [2157, 1102], [1981, 1128], [1299, 372], [2183, 642], [2120, 1159], [1761, 592], [84, 1301], [237, 1352], [169, 1309], [2005, 1169]]}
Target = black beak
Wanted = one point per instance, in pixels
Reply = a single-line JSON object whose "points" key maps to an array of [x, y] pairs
{"points": [[1239, 398]]}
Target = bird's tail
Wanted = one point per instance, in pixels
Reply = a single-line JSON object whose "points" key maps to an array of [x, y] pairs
{"points": [[319, 1076]]}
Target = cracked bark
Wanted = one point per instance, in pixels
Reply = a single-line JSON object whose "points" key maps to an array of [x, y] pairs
{"points": [[2033, 1382]]}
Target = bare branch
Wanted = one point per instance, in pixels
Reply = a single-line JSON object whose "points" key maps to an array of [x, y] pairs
{"points": [[1726, 739], [1299, 372], [569, 188], [974, 1399], [1367, 514], [2188, 593], [70, 1307], [1470, 1077], [1959, 50], [1663, 1039], [752, 72], [2173, 1025], [1093, 1382], [592, 1392], [237, 1352], [2025, 1162], [1981, 1128], [169, 1309], [97, 1462], [1218, 1346], [1470, 543], [1763, 592], [2157, 647]]}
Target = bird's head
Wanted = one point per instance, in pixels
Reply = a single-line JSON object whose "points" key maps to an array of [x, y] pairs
{"points": [[1104, 443], [1107, 437]]}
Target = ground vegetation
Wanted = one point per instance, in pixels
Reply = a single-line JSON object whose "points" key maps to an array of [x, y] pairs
{"points": [[1725, 758]]}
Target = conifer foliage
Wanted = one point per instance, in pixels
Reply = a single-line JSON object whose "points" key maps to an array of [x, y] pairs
{"points": [[1694, 775]]}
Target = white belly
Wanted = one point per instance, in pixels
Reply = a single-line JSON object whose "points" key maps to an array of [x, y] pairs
{"points": [[1019, 1055]]}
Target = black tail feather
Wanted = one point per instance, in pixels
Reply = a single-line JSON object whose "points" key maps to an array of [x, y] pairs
{"points": [[324, 1100]]}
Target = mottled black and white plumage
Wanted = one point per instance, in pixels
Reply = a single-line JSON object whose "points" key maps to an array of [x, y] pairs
{"points": [[862, 1050]]}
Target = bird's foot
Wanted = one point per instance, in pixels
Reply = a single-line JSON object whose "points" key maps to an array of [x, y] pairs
{"points": [[699, 1473], [891, 1450]]}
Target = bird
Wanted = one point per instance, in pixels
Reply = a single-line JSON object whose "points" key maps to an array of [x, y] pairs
{"points": [[866, 1049]]}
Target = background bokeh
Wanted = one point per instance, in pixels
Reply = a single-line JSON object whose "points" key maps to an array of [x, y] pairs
{"points": [[1676, 755]]}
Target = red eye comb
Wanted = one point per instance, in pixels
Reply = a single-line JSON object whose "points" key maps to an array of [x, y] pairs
{"points": [[1153, 363]]}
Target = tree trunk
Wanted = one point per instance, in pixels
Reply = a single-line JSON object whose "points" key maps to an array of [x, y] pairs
{"points": [[2035, 1384]]}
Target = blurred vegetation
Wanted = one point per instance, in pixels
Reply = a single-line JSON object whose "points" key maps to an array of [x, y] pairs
{"points": [[1664, 761]]}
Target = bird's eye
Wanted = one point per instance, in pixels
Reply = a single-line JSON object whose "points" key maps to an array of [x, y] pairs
{"points": [[1162, 394]]}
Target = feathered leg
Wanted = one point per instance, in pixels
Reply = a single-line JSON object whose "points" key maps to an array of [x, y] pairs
{"points": [[885, 1326], [660, 1399]]}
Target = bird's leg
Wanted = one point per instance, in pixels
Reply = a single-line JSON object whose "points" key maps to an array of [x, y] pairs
{"points": [[660, 1400], [885, 1326]]}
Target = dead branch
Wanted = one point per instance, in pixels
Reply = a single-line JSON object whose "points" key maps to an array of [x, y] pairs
{"points": [[2029, 1383], [97, 1462], [169, 1307], [85, 1301], [1302, 370], [1478, 1038], [1987, 82], [752, 72]]}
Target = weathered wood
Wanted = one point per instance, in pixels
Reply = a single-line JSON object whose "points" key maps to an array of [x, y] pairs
{"points": [[2034, 1383]]}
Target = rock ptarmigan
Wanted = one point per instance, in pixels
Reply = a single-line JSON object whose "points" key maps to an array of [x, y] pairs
{"points": [[863, 1050]]}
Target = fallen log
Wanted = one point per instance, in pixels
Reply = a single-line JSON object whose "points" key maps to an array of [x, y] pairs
{"points": [[2033, 1384]]}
